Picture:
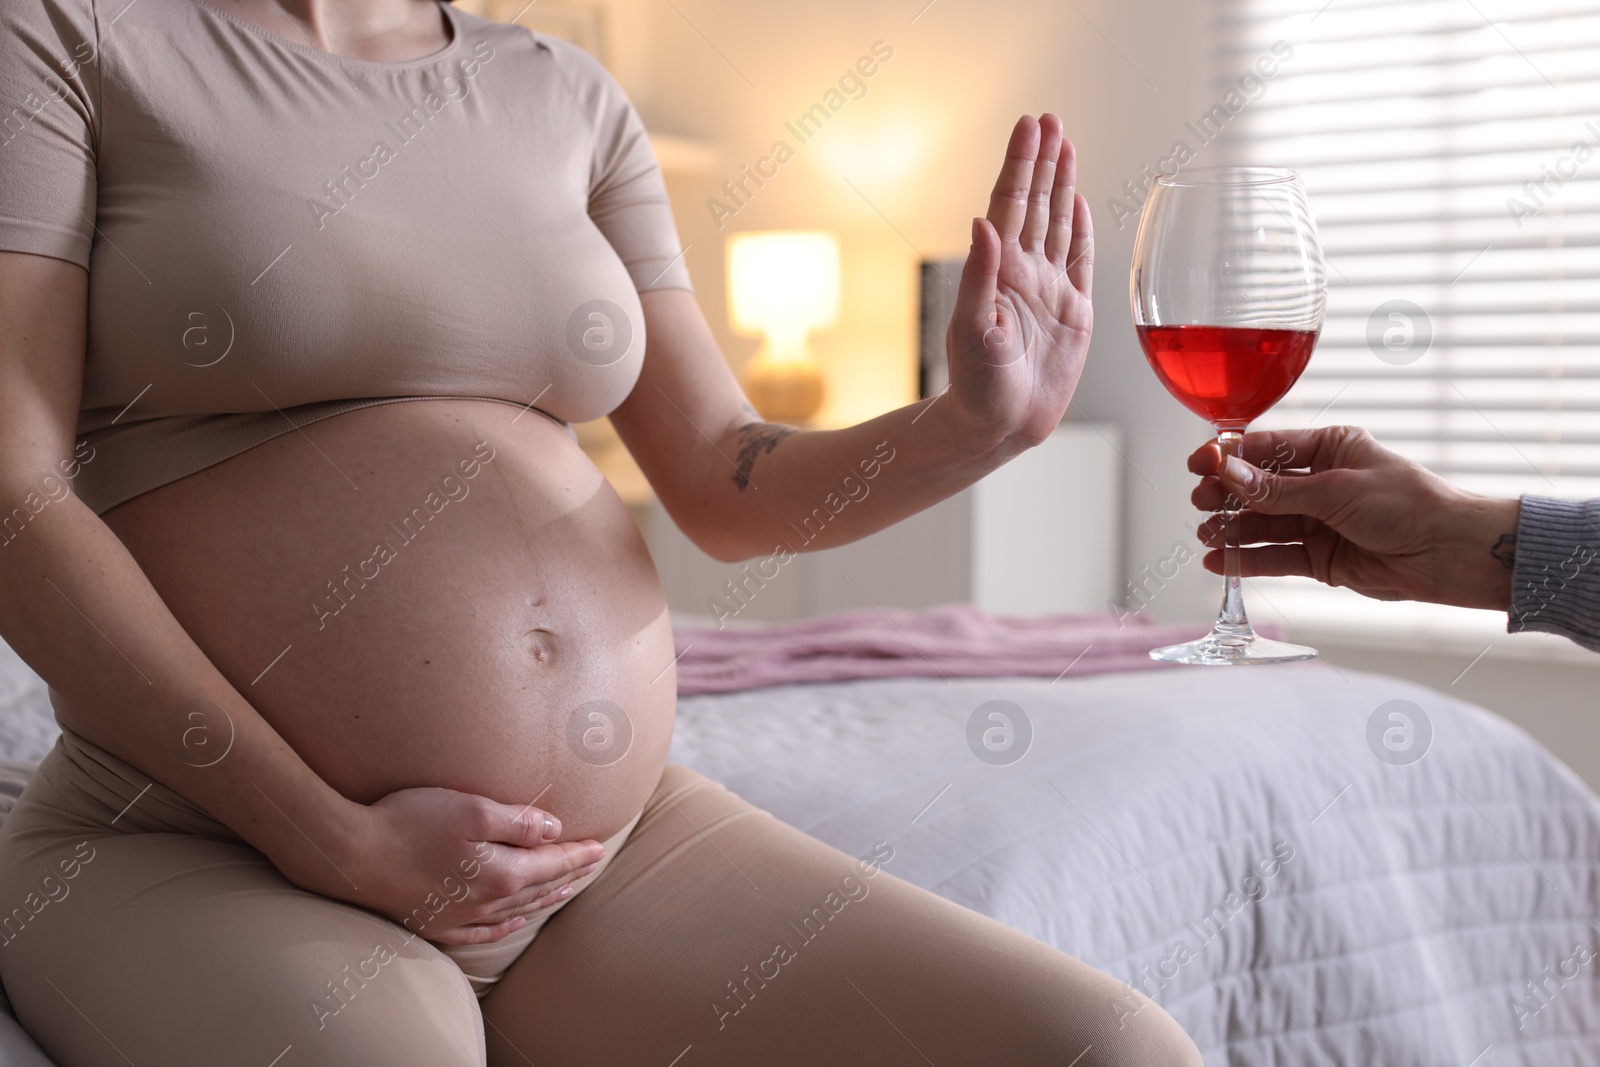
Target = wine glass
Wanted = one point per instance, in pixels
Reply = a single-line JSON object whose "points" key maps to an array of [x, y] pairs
{"points": [[1228, 289]]}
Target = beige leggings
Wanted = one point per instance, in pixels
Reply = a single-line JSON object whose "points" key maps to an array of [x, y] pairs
{"points": [[136, 930]]}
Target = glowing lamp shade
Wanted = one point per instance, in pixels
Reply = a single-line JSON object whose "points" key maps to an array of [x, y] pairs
{"points": [[782, 284]]}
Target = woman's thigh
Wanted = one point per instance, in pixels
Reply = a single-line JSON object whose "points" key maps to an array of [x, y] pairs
{"points": [[723, 936], [176, 949]]}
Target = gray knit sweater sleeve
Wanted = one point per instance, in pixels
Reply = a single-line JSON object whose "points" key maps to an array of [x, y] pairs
{"points": [[1555, 587]]}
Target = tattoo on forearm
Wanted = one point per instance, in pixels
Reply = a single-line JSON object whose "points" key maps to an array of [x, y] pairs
{"points": [[1505, 550], [757, 439]]}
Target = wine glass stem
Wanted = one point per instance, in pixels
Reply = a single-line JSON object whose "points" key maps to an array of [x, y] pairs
{"points": [[1231, 619]]}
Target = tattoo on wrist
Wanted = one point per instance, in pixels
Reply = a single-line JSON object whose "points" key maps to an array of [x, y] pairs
{"points": [[756, 439], [1505, 550]]}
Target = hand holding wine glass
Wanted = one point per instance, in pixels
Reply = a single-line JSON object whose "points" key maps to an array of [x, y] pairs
{"points": [[1228, 291], [1333, 504]]}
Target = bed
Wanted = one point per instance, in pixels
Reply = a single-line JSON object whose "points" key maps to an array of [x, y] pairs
{"points": [[1299, 877]]}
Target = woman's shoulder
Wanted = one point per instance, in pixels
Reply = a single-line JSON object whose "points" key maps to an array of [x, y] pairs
{"points": [[54, 19], [578, 68], [47, 49]]}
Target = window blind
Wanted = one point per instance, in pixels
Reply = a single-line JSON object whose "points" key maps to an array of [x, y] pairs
{"points": [[1451, 153]]}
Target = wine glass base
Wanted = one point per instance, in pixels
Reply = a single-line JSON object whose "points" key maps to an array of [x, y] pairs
{"points": [[1233, 650]]}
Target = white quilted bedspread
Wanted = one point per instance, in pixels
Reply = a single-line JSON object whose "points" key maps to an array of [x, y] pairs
{"points": [[1415, 903], [1379, 916]]}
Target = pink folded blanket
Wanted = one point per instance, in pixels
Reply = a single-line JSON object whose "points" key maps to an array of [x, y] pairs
{"points": [[950, 641]]}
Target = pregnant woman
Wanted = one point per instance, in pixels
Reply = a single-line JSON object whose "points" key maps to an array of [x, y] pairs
{"points": [[364, 674]]}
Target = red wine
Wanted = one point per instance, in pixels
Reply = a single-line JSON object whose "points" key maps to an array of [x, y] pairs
{"points": [[1228, 375]]}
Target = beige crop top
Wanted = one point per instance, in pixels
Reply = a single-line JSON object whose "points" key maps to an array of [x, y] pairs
{"points": [[275, 235]]}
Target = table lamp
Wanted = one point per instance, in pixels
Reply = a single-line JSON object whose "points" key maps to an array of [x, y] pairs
{"points": [[782, 284]]}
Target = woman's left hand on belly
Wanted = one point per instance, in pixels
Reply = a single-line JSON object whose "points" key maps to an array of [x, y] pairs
{"points": [[455, 868]]}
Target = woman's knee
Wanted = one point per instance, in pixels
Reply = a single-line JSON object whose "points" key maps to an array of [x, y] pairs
{"points": [[1056, 1009], [1135, 1032]]}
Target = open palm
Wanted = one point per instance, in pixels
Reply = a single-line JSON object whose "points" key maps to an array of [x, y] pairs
{"points": [[1020, 329]]}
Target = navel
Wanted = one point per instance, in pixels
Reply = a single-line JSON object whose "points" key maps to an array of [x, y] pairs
{"points": [[538, 645]]}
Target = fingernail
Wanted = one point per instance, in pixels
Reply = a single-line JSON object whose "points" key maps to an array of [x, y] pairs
{"points": [[975, 229], [1241, 472], [564, 892], [552, 828]]}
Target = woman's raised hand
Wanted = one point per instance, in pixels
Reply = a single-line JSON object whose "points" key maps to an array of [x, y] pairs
{"points": [[452, 867], [1022, 320]]}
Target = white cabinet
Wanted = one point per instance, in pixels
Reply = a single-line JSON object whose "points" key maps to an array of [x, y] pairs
{"points": [[1040, 534]]}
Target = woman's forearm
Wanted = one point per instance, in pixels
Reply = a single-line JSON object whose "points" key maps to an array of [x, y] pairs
{"points": [[812, 489], [824, 488], [76, 607]]}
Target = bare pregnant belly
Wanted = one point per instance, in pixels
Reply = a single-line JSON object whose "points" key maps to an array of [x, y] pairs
{"points": [[437, 592]]}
